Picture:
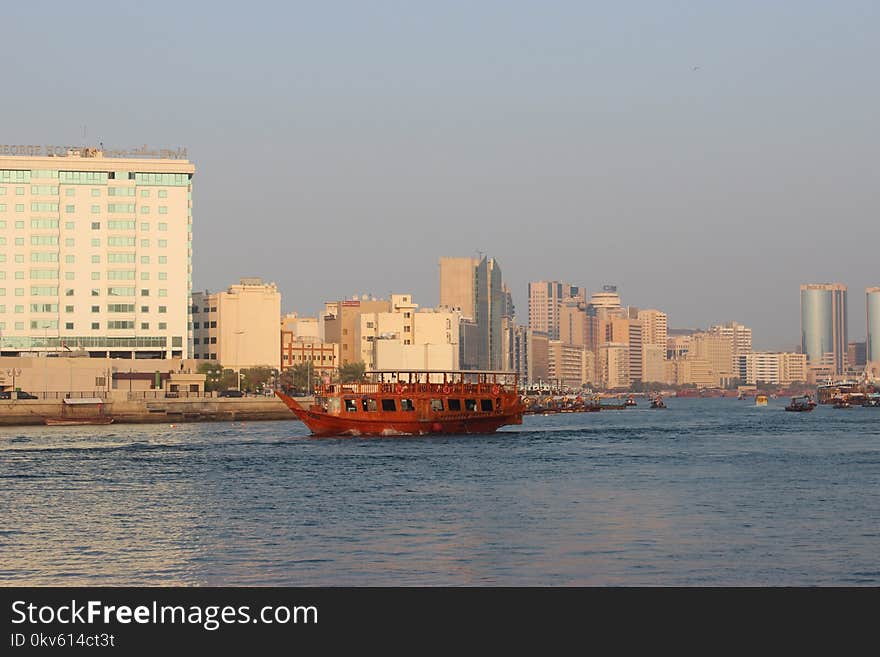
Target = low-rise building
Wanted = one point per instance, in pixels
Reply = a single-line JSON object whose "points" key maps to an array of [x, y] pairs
{"points": [[238, 328]]}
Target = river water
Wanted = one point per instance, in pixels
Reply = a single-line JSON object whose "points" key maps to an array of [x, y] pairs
{"points": [[709, 492]]}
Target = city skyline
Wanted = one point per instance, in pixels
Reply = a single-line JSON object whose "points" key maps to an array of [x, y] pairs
{"points": [[648, 147]]}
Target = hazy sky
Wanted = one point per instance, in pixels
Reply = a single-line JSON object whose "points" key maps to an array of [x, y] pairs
{"points": [[708, 158]]}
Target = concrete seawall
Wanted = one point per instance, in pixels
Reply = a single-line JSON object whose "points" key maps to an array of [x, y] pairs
{"points": [[125, 411]]}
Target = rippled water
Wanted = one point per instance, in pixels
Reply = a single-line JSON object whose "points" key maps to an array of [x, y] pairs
{"points": [[707, 492]]}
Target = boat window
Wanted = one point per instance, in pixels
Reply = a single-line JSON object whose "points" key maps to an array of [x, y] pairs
{"points": [[436, 404], [388, 405], [350, 406], [485, 404], [498, 403], [470, 404], [332, 405], [453, 404], [369, 404], [407, 405]]}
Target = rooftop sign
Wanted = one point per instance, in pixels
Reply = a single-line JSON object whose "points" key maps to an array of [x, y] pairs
{"points": [[49, 150]]}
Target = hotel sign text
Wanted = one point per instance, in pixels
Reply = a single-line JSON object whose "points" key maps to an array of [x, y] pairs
{"points": [[144, 151]]}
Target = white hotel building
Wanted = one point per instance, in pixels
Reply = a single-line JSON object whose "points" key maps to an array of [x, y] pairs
{"points": [[95, 255]]}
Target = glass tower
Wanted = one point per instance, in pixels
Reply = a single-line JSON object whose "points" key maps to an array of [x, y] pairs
{"points": [[872, 345], [823, 325]]}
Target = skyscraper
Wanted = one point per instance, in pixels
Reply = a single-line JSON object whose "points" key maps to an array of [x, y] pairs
{"points": [[823, 326], [545, 304], [474, 285], [873, 313]]}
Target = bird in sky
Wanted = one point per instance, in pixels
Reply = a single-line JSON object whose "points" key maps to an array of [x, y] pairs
{"points": [[696, 68]]}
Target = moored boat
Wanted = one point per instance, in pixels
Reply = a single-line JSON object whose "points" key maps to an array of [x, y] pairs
{"points": [[92, 412], [413, 403], [72, 421]]}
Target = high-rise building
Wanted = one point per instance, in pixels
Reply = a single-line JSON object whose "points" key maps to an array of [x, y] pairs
{"points": [[872, 346], [740, 336], [458, 284], [824, 327], [653, 363], [717, 350], [570, 365], [475, 286], [856, 355], [607, 298], [546, 299], [238, 327], [655, 327], [574, 322], [97, 254], [539, 357], [612, 365]]}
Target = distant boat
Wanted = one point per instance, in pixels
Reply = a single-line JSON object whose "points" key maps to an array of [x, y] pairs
{"points": [[657, 402], [801, 404], [761, 400]]}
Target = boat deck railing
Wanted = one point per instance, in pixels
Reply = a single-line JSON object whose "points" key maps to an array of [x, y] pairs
{"points": [[362, 388]]}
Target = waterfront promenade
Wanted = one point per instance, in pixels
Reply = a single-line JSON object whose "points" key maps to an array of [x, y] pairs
{"points": [[140, 408]]}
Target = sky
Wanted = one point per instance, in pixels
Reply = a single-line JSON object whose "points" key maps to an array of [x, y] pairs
{"points": [[707, 158]]}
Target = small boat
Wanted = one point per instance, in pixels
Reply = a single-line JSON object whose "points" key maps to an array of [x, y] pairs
{"points": [[842, 403], [801, 404], [872, 401], [761, 400], [70, 418], [413, 403], [630, 401], [657, 402], [72, 421]]}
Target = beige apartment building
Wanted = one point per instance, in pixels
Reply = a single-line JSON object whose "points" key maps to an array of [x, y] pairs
{"points": [[691, 371], [95, 253], [301, 327], [342, 324], [546, 299], [538, 357], [570, 365], [781, 368], [740, 336], [716, 349], [654, 336], [654, 363], [574, 323], [457, 284], [655, 327], [409, 338], [613, 365], [239, 327]]}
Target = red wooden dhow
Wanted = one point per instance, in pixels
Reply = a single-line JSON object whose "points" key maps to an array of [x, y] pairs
{"points": [[413, 403]]}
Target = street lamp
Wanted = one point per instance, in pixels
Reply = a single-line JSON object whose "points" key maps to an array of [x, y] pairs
{"points": [[13, 372], [237, 366]]}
